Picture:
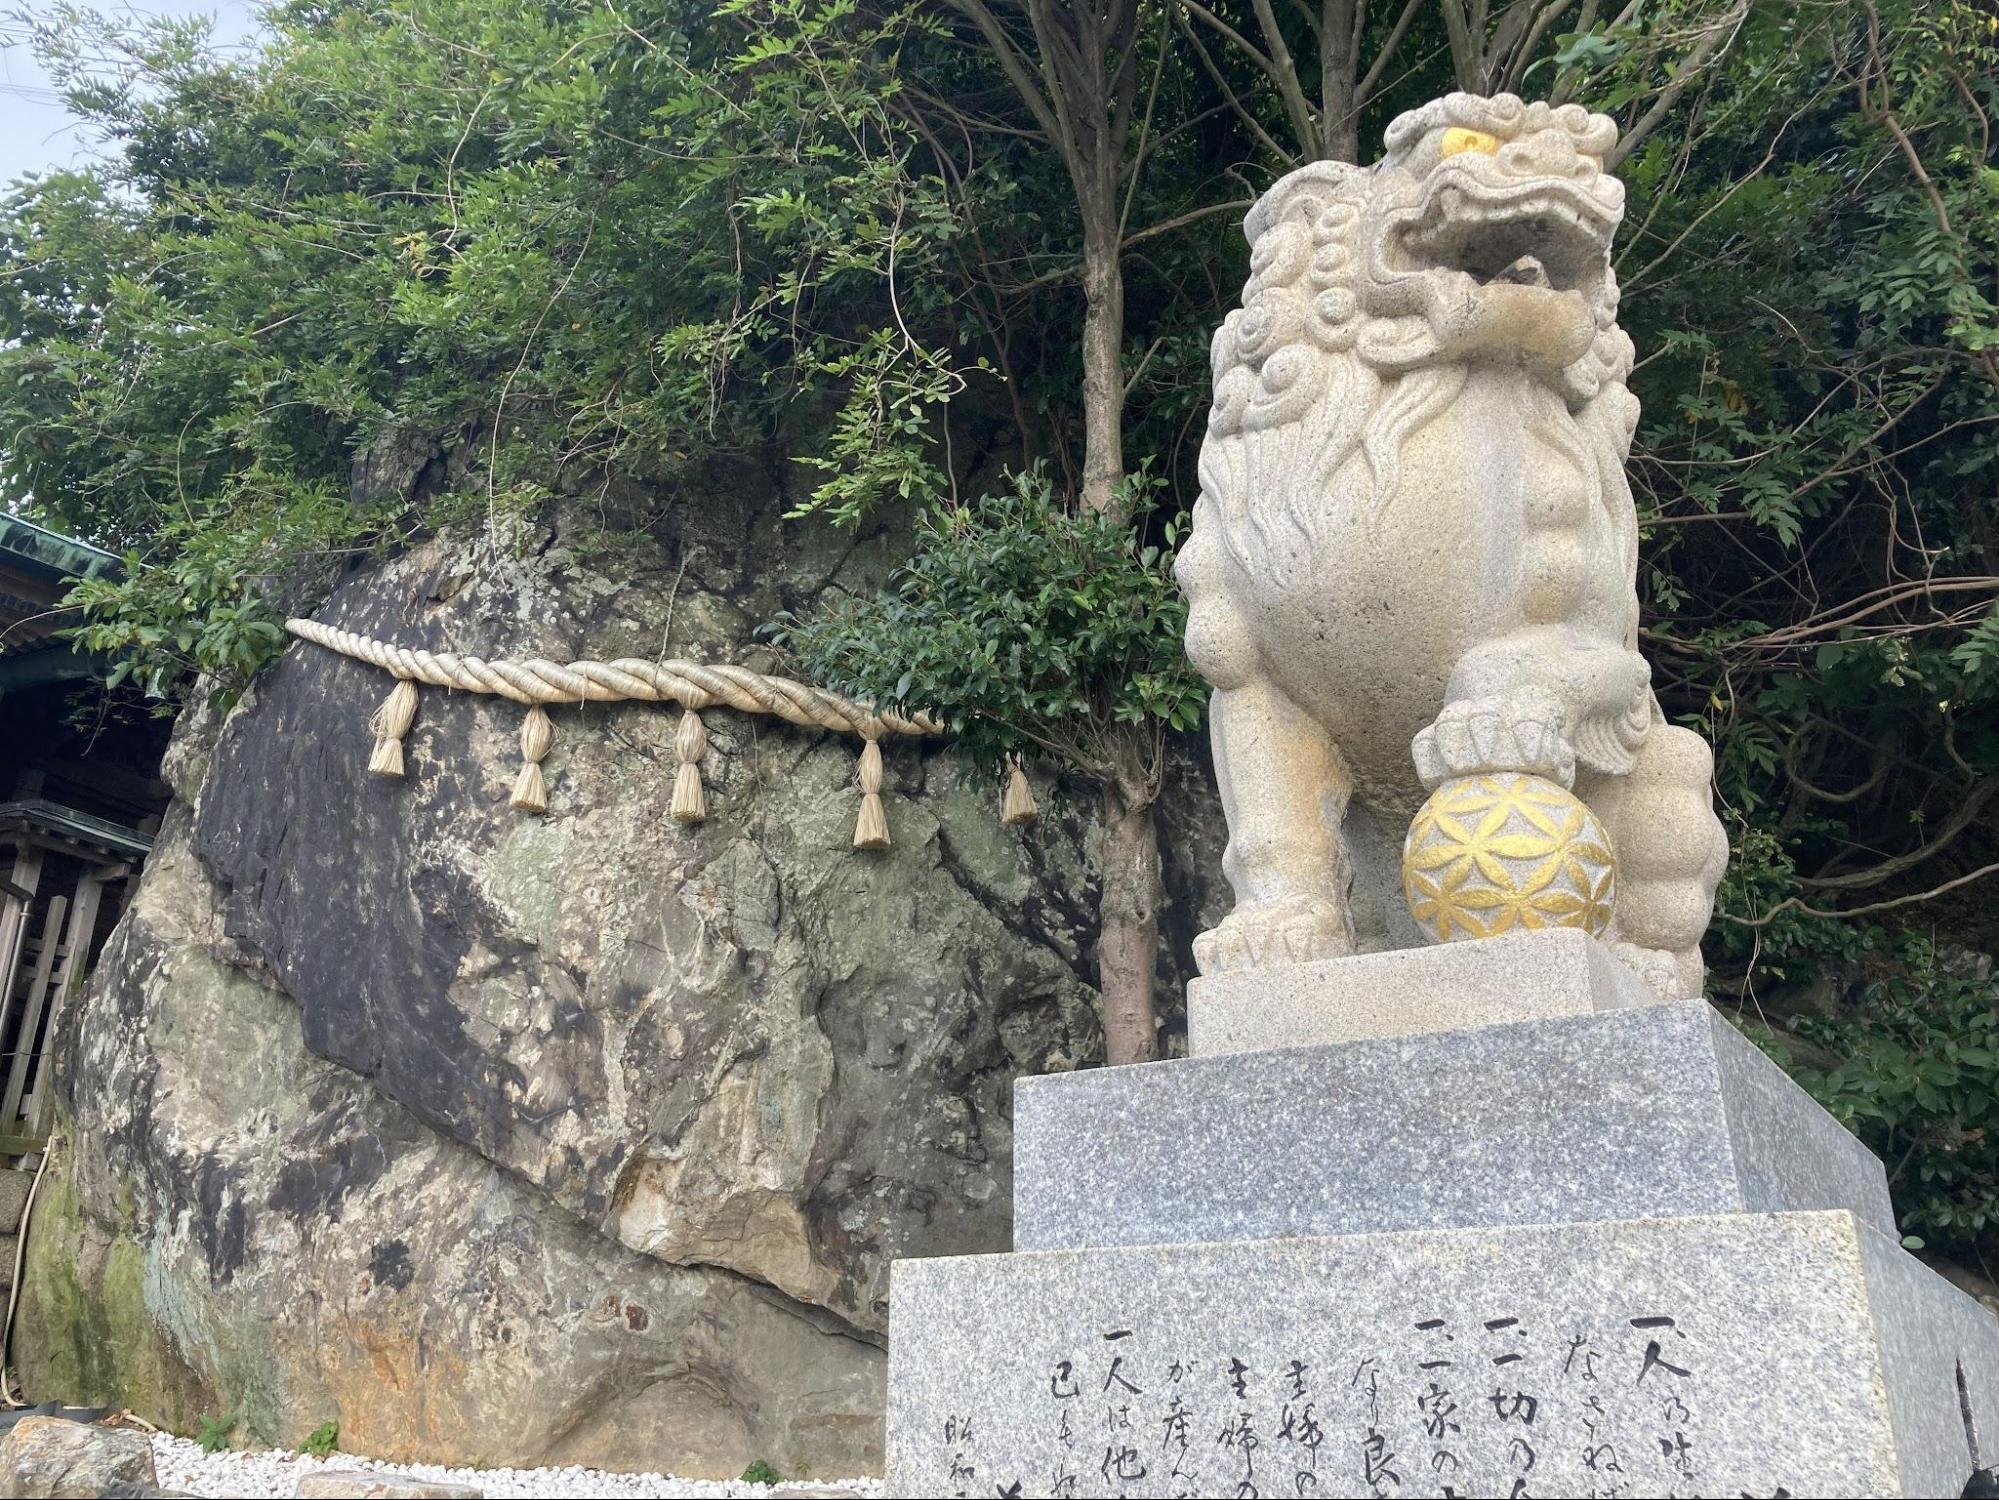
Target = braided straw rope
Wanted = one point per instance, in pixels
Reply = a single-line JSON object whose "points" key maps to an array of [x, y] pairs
{"points": [[692, 684]]}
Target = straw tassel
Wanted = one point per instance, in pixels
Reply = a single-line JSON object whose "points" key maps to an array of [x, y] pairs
{"points": [[537, 734], [390, 723], [871, 831], [690, 743], [1017, 806]]}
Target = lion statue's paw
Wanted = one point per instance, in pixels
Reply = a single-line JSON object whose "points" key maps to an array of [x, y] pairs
{"points": [[1478, 736], [1292, 930], [1659, 969]]}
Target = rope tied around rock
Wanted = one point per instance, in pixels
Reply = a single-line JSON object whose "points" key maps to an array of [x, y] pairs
{"points": [[537, 683]]}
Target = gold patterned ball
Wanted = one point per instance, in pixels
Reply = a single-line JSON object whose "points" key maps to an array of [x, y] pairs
{"points": [[1509, 852]]}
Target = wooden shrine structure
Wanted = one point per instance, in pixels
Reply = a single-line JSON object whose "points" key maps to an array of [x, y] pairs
{"points": [[80, 803]]}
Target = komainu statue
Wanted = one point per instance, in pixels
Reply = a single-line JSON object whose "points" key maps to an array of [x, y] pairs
{"points": [[1412, 566]]}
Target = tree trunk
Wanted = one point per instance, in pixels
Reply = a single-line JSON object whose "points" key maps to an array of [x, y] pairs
{"points": [[1339, 86], [1103, 361], [1129, 911]]}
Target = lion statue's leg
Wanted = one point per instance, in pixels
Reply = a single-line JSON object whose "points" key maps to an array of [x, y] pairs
{"points": [[1531, 702], [1671, 850], [1285, 789], [1284, 785]]}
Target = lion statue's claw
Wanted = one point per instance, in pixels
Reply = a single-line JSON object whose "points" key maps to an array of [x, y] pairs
{"points": [[1292, 930], [1478, 736]]}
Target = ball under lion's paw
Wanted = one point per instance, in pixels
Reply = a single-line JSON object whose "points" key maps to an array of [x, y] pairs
{"points": [[1291, 930], [1506, 852]]}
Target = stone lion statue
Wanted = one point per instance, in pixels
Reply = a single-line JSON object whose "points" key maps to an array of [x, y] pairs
{"points": [[1414, 555]]}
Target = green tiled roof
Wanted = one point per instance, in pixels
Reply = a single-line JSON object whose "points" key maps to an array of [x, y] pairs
{"points": [[37, 567], [24, 544]]}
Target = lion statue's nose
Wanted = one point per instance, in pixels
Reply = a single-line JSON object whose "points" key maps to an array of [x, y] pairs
{"points": [[1548, 153]]}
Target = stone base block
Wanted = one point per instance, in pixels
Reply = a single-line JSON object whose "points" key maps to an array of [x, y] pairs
{"points": [[1751, 1354], [1521, 977], [1625, 1115]]}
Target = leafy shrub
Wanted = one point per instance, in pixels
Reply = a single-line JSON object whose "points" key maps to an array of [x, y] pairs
{"points": [[166, 623], [202, 601], [1034, 628], [760, 1472], [1029, 627], [212, 1435], [1919, 1083]]}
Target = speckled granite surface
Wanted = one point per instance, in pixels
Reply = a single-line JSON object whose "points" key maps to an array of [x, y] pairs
{"points": [[1608, 1250], [1561, 971], [1623, 1115], [1744, 1354]]}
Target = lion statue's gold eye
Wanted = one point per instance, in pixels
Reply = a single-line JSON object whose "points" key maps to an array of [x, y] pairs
{"points": [[1457, 139]]}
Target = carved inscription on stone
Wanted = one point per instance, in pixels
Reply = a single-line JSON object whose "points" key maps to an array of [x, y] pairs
{"points": [[1514, 1404]]}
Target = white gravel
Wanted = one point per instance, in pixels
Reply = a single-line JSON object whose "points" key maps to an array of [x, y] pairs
{"points": [[275, 1473]]}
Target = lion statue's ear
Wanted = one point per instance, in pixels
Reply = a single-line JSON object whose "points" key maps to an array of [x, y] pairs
{"points": [[1311, 185]]}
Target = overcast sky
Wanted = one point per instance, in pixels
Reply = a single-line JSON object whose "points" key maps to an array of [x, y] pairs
{"points": [[36, 132]]}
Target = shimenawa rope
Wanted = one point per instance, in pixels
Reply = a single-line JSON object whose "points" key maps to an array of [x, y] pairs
{"points": [[694, 685]]}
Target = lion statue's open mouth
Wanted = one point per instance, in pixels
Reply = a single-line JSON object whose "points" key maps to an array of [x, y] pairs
{"points": [[1493, 241], [1483, 234], [1547, 235]]}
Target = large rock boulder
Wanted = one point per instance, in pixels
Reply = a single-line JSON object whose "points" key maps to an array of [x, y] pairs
{"points": [[586, 1137], [52, 1458]]}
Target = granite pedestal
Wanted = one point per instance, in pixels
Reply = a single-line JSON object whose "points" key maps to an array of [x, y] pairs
{"points": [[1637, 1114], [1409, 991], [1606, 1250]]}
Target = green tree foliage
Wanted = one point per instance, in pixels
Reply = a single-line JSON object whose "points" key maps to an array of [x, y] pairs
{"points": [[578, 248], [567, 242], [1812, 281], [1817, 465]]}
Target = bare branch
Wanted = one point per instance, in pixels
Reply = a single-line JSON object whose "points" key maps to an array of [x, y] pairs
{"points": [[1235, 38], [1144, 129], [1014, 65], [1704, 52], [1055, 54], [1074, 268], [1792, 903], [1464, 51], [1306, 9], [1285, 74], [1883, 113], [1967, 812], [1632, 284], [1242, 111], [1365, 89], [1193, 215], [1523, 55]]}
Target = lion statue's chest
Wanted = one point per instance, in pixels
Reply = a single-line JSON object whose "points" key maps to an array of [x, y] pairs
{"points": [[1362, 602]]}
